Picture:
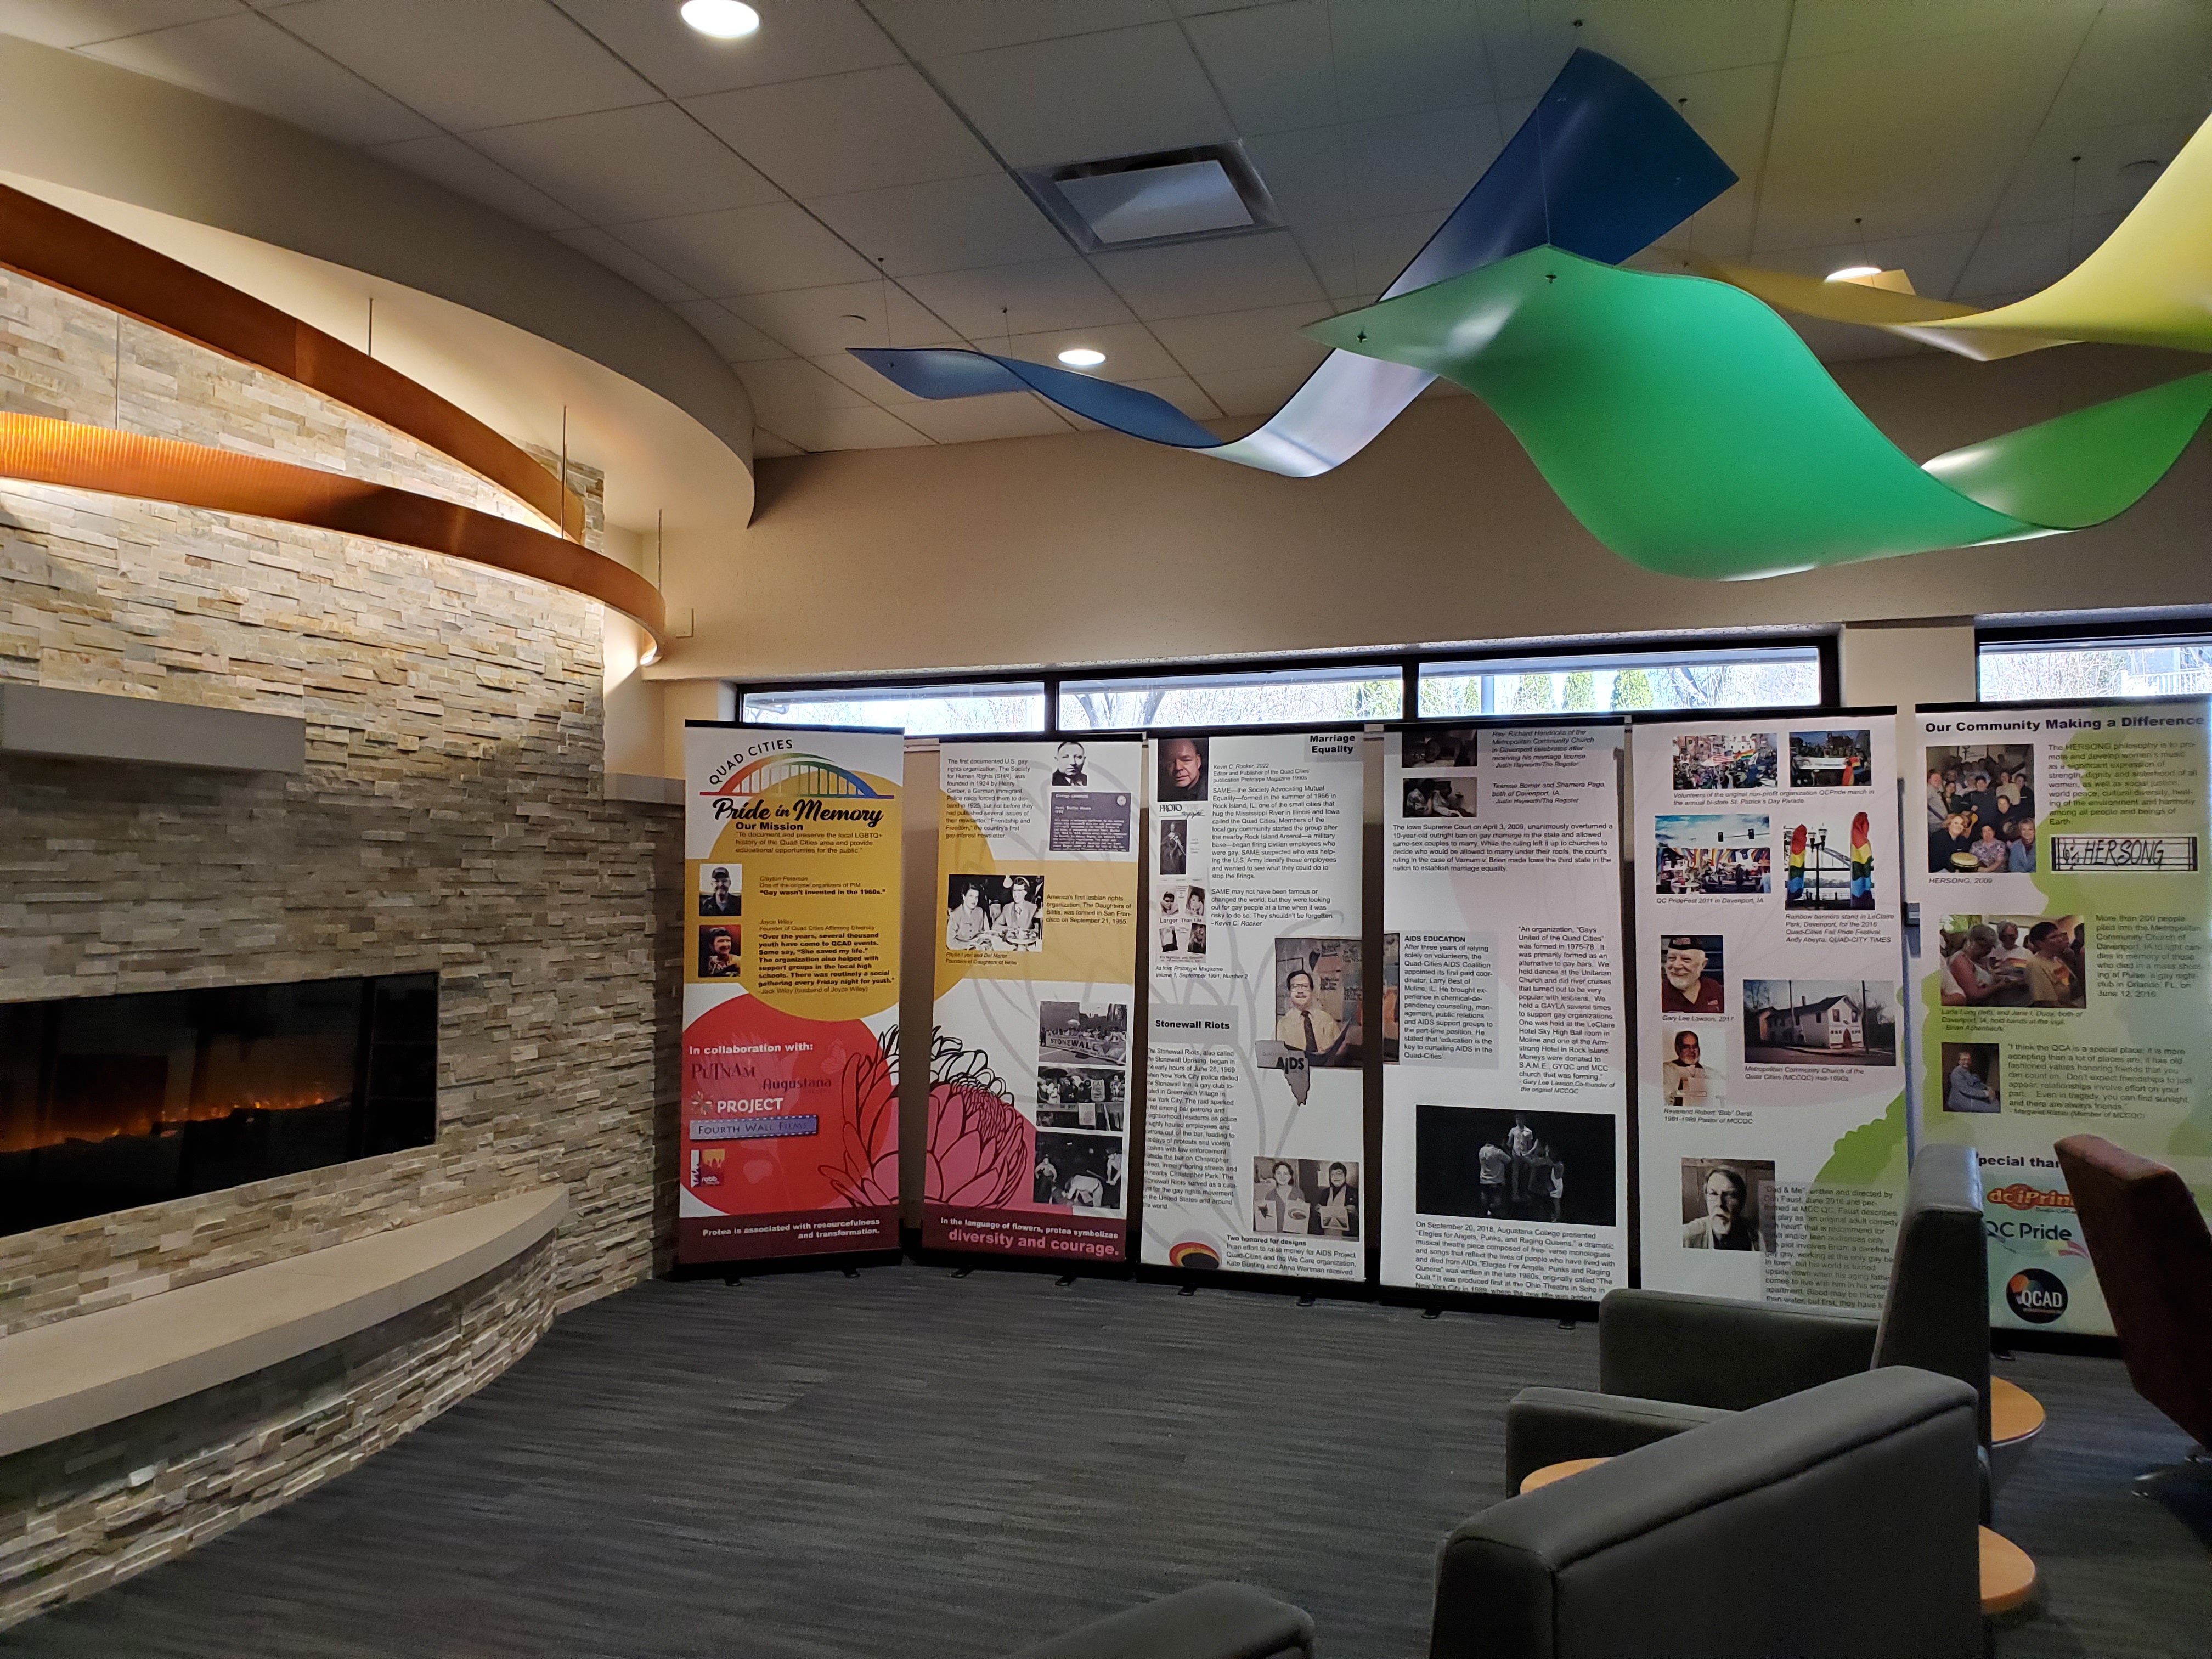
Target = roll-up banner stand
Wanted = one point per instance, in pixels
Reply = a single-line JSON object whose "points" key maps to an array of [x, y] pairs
{"points": [[1029, 1059], [1253, 1118], [1772, 1130], [2061, 986], [1505, 1092], [791, 981]]}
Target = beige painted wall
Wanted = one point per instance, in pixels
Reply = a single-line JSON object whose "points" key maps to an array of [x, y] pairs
{"points": [[1095, 548]]}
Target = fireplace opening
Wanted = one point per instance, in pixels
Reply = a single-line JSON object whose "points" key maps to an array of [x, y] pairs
{"points": [[110, 1102]]}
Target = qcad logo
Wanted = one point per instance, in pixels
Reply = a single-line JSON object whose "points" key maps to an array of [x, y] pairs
{"points": [[2036, 1296]]}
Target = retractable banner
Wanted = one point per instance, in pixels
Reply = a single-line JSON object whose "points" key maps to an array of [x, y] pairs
{"points": [[791, 980], [1770, 1112], [1029, 1079], [1506, 1076], [1253, 1099], [2064, 909]]}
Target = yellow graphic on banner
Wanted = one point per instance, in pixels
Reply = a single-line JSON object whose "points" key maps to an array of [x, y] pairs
{"points": [[1050, 919]]}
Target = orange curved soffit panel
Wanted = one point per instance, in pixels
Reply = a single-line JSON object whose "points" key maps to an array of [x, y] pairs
{"points": [[53, 246], [39, 450]]}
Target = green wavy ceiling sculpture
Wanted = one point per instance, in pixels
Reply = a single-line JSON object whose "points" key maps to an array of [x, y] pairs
{"points": [[1693, 433]]}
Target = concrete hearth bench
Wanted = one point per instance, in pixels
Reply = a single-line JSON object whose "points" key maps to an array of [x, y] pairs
{"points": [[99, 1368]]}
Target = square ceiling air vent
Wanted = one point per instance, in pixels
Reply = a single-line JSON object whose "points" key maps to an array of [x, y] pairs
{"points": [[1170, 196]]}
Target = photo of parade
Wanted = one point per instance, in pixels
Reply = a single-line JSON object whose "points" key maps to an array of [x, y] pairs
{"points": [[1318, 1198], [721, 890], [1081, 1172], [1692, 975], [1439, 748], [1818, 1021], [1714, 853], [994, 913], [1827, 867], [1084, 1098], [1726, 760], [1831, 759], [2014, 962], [1083, 1034], [1437, 797], [1981, 810], [1970, 1077], [1500, 1164], [718, 951], [1728, 1204], [1689, 1066], [1182, 922]]}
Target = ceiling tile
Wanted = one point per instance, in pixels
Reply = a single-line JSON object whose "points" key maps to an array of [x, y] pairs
{"points": [[970, 420], [1184, 393], [816, 321], [1932, 262], [2109, 177], [2017, 259], [1132, 354], [1187, 279], [1386, 246], [856, 376], [1097, 95], [868, 427], [1529, 41], [487, 64], [80, 23], [1333, 251], [1042, 293], [767, 446], [1303, 171], [1230, 342], [935, 29], [735, 339], [448, 161], [817, 37], [648, 162], [626, 261], [785, 385], [1255, 391], [1822, 26], [947, 225], [755, 250], [1413, 163], [846, 133], [247, 60], [1300, 63], [2140, 63]]}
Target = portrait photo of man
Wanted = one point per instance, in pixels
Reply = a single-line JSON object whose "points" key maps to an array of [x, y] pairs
{"points": [[1068, 770], [1685, 986], [1305, 1025], [1182, 769], [719, 900], [1721, 1203]]}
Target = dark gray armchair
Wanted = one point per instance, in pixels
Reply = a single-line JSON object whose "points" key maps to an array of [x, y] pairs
{"points": [[1219, 1621], [1840, 1520], [1667, 1362]]}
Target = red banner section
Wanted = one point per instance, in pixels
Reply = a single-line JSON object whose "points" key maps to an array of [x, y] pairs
{"points": [[796, 1232]]}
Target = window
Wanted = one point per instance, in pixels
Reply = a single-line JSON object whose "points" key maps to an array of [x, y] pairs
{"points": [[1369, 691], [2034, 671], [920, 711], [1747, 677]]}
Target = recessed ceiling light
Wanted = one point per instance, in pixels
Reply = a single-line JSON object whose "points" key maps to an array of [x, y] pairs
{"points": [[1082, 357], [1853, 273], [725, 20]]}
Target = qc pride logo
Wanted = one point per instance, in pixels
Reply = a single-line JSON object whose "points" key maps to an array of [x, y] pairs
{"points": [[2035, 1295], [2022, 1196]]}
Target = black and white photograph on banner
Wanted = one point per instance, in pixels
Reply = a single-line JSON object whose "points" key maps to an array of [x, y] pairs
{"points": [[1081, 1033], [1972, 1077], [1819, 1022], [1317, 1000], [994, 913], [1728, 1204], [721, 890], [1071, 766], [1689, 1065], [1318, 1198], [1088, 1097], [2014, 962], [1175, 847], [1081, 1171], [1439, 749], [1714, 854], [1827, 861], [718, 951], [1726, 760], [1840, 759], [1182, 921], [1501, 1164], [1693, 974], [1437, 797], [1184, 769]]}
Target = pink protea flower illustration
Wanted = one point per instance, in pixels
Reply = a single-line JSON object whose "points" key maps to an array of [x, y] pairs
{"points": [[868, 1099], [981, 1151]]}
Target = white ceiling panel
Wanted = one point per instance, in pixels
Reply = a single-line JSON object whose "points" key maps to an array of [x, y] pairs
{"points": [[484, 64], [990, 303], [1823, 26], [814, 321], [2050, 184], [1185, 393], [768, 446], [738, 340], [783, 386], [756, 250], [937, 28], [243, 59], [869, 428], [1303, 62], [648, 162], [947, 225], [80, 23], [1303, 171], [1255, 392], [448, 161], [2142, 62], [1095, 95], [1529, 40], [1188, 279], [808, 38], [1414, 163], [1132, 352], [627, 261], [965, 420], [1231, 342], [2015, 260], [854, 376], [837, 133]]}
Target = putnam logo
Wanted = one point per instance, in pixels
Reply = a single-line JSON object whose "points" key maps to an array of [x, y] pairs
{"points": [[2035, 1295], [812, 774], [2022, 1196], [1194, 1253]]}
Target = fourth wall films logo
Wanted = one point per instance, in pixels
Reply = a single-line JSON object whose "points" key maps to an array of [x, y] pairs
{"points": [[2037, 1296]]}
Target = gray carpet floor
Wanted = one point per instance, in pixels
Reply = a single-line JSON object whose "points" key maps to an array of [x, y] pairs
{"points": [[908, 1464]]}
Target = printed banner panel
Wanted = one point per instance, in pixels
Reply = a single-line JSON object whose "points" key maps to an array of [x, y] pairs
{"points": [[1506, 1054], [2064, 915], [1029, 1074], [1770, 1077], [1252, 1117], [791, 978]]}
